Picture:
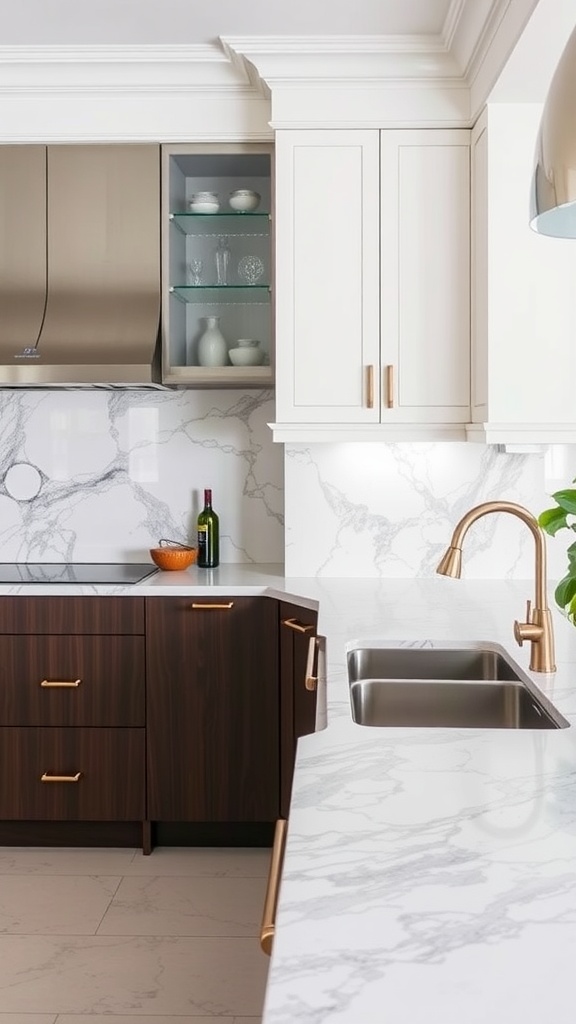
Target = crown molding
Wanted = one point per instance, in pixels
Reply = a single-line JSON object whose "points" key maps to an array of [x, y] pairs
{"points": [[118, 68], [322, 59], [482, 40]]}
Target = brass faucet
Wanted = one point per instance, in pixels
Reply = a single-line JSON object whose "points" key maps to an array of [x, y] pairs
{"points": [[538, 626]]}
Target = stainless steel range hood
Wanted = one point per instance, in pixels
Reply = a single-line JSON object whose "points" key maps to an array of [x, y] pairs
{"points": [[79, 265]]}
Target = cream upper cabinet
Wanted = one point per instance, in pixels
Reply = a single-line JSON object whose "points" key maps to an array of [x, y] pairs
{"points": [[523, 295], [327, 276], [372, 284]]}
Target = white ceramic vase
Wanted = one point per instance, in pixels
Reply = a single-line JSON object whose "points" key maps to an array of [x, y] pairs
{"points": [[212, 347]]}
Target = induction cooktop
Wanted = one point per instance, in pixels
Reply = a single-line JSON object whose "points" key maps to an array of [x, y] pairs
{"points": [[75, 572]]}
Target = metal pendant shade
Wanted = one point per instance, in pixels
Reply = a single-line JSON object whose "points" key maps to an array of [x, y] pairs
{"points": [[553, 199]]}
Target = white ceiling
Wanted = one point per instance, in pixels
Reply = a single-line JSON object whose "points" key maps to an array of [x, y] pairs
{"points": [[165, 22]]}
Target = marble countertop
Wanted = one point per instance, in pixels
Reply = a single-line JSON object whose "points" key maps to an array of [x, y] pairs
{"points": [[430, 875]]}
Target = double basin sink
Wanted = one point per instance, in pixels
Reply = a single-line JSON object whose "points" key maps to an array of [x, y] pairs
{"points": [[471, 686]]}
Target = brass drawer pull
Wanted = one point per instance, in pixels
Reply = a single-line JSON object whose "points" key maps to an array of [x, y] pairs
{"points": [[310, 680], [228, 604], [62, 684], [370, 387], [271, 899], [389, 387], [298, 626], [47, 777]]}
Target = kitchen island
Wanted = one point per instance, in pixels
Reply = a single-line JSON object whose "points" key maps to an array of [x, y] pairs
{"points": [[429, 875]]}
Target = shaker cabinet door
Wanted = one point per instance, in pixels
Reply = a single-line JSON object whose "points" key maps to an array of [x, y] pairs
{"points": [[425, 276], [327, 268], [212, 709], [373, 265]]}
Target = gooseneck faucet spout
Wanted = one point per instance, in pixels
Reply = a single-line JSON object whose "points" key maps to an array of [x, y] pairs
{"points": [[538, 627]]}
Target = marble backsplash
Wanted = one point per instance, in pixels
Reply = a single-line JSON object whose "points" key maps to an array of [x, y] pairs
{"points": [[388, 510], [102, 475]]}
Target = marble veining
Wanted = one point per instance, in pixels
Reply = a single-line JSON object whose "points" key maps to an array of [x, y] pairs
{"points": [[388, 510], [97, 475]]}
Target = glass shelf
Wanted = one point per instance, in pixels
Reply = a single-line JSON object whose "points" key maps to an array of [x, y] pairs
{"points": [[219, 223], [251, 294]]}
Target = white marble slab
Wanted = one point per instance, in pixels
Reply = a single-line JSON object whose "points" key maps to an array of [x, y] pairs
{"points": [[101, 476]]}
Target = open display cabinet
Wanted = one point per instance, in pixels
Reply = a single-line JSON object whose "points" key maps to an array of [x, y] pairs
{"points": [[216, 264]]}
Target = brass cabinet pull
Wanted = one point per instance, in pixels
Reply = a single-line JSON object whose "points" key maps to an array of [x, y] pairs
{"points": [[298, 626], [271, 899], [47, 777], [389, 386], [370, 387], [310, 680], [66, 684], [228, 604]]}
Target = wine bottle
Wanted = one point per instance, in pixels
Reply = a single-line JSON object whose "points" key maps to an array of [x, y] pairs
{"points": [[208, 535]]}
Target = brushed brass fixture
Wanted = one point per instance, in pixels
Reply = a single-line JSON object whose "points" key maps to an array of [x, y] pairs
{"points": [[298, 626], [389, 387], [553, 197], [47, 777], [538, 627], [271, 900], [60, 683], [370, 387], [209, 606], [311, 680]]}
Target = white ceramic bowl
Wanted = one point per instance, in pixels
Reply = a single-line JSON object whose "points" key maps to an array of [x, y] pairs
{"points": [[248, 355], [244, 200], [204, 206]]}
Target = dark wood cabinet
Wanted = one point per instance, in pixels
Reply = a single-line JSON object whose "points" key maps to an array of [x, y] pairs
{"points": [[71, 615], [72, 774], [127, 718], [297, 703], [212, 709], [72, 718], [72, 680]]}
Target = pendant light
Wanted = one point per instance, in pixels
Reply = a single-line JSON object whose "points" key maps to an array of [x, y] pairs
{"points": [[553, 198]]}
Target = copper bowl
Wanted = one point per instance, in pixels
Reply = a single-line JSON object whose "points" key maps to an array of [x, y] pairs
{"points": [[172, 559]]}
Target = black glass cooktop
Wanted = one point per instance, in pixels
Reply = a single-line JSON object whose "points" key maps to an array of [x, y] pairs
{"points": [[75, 572]]}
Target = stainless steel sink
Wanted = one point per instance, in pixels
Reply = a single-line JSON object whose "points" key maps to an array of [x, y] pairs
{"points": [[468, 687], [447, 704], [477, 663]]}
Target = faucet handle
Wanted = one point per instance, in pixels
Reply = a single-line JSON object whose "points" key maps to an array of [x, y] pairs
{"points": [[528, 630]]}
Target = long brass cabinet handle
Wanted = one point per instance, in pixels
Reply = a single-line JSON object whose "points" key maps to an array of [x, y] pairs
{"points": [[209, 606], [310, 679], [49, 777], [315, 646], [271, 898], [60, 684], [300, 627], [370, 387], [389, 386]]}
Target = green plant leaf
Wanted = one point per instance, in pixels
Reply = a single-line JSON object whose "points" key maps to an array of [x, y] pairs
{"points": [[566, 499], [571, 552], [571, 609], [565, 591], [552, 520]]}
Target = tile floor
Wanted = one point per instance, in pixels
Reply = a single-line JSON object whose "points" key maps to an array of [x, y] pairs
{"points": [[113, 937]]}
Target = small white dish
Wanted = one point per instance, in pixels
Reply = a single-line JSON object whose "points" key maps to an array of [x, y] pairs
{"points": [[246, 354], [204, 202], [244, 200]]}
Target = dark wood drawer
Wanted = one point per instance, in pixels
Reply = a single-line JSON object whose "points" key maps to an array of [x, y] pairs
{"points": [[110, 763], [72, 680], [69, 615]]}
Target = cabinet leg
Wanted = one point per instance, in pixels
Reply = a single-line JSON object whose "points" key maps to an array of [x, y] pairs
{"points": [[146, 838]]}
